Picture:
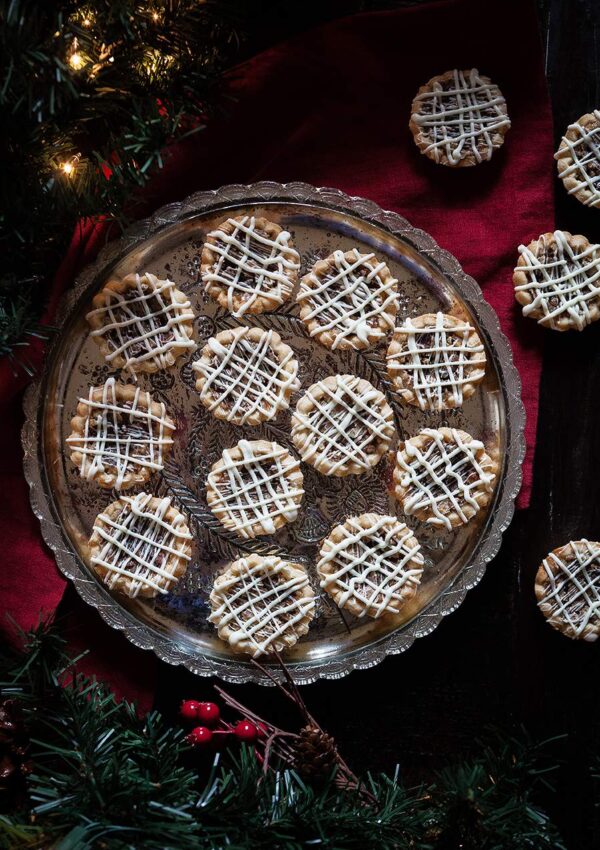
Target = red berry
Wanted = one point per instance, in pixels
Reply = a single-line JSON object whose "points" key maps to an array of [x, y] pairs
{"points": [[208, 712], [189, 709], [262, 730], [200, 736], [245, 731]]}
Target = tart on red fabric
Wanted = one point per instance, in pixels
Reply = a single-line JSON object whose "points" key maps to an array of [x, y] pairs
{"points": [[459, 118]]}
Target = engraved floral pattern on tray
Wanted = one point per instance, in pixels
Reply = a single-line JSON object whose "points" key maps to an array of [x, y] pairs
{"points": [[175, 625]]}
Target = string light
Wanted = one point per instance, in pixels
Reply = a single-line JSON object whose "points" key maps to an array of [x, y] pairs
{"points": [[69, 166], [76, 59]]}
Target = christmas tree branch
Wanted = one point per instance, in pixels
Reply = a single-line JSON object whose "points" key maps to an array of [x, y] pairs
{"points": [[99, 776]]}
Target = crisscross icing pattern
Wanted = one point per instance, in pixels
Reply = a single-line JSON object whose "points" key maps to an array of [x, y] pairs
{"points": [[144, 322], [461, 116], [585, 167], [252, 486], [141, 545], [262, 603], [439, 367], [246, 376], [372, 566], [350, 299], [442, 474], [573, 587], [121, 435], [251, 264], [561, 280], [342, 424]]}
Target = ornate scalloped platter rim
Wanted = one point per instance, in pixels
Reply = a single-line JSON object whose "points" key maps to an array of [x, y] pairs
{"points": [[180, 649]]}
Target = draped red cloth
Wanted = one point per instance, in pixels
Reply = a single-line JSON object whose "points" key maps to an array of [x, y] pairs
{"points": [[331, 107]]}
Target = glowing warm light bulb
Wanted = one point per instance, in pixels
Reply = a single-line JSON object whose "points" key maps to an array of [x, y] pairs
{"points": [[76, 61], [86, 22], [69, 165]]}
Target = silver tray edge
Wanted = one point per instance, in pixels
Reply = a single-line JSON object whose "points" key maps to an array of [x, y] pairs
{"points": [[449, 600]]}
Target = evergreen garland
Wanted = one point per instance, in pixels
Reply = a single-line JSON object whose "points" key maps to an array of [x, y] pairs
{"points": [[91, 95], [101, 777]]}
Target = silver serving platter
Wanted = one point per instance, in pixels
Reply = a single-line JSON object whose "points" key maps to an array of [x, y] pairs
{"points": [[175, 626]]}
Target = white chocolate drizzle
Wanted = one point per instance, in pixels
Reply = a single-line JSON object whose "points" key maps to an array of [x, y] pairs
{"points": [[261, 605], [249, 377], [462, 117], [373, 565], [585, 152], [342, 425], [438, 475], [562, 286], [347, 298], [145, 322], [256, 489], [121, 435], [250, 264], [573, 589], [440, 368], [141, 545]]}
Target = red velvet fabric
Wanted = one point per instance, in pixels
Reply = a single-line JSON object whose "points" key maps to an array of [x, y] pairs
{"points": [[330, 107]]}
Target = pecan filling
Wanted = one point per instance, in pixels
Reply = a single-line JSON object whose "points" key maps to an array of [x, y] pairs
{"points": [[226, 380], [141, 323]]}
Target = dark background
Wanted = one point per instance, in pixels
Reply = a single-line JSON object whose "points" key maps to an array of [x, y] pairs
{"points": [[495, 661]]}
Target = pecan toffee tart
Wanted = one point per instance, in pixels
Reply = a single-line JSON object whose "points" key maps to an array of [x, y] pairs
{"points": [[140, 546], [459, 118], [262, 605], [557, 280], [246, 375], [567, 587], [249, 265], [443, 477], [435, 361], [255, 488], [370, 565], [578, 159], [349, 300], [120, 436], [141, 323], [342, 426]]}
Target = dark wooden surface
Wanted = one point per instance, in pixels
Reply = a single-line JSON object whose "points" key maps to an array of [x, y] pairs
{"points": [[495, 661]]}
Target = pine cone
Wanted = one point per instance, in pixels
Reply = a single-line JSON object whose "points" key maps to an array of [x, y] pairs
{"points": [[316, 753], [15, 764]]}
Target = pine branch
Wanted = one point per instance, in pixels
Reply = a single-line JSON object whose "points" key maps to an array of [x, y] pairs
{"points": [[105, 778], [92, 96]]}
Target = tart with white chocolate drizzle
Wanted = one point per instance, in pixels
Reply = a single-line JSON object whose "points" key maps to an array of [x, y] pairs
{"points": [[255, 488], [141, 323], [262, 605], [578, 159], [120, 436], [348, 300], [443, 477], [246, 375], [370, 565], [557, 280], [140, 546], [435, 361], [567, 587], [249, 265], [342, 426], [459, 118]]}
